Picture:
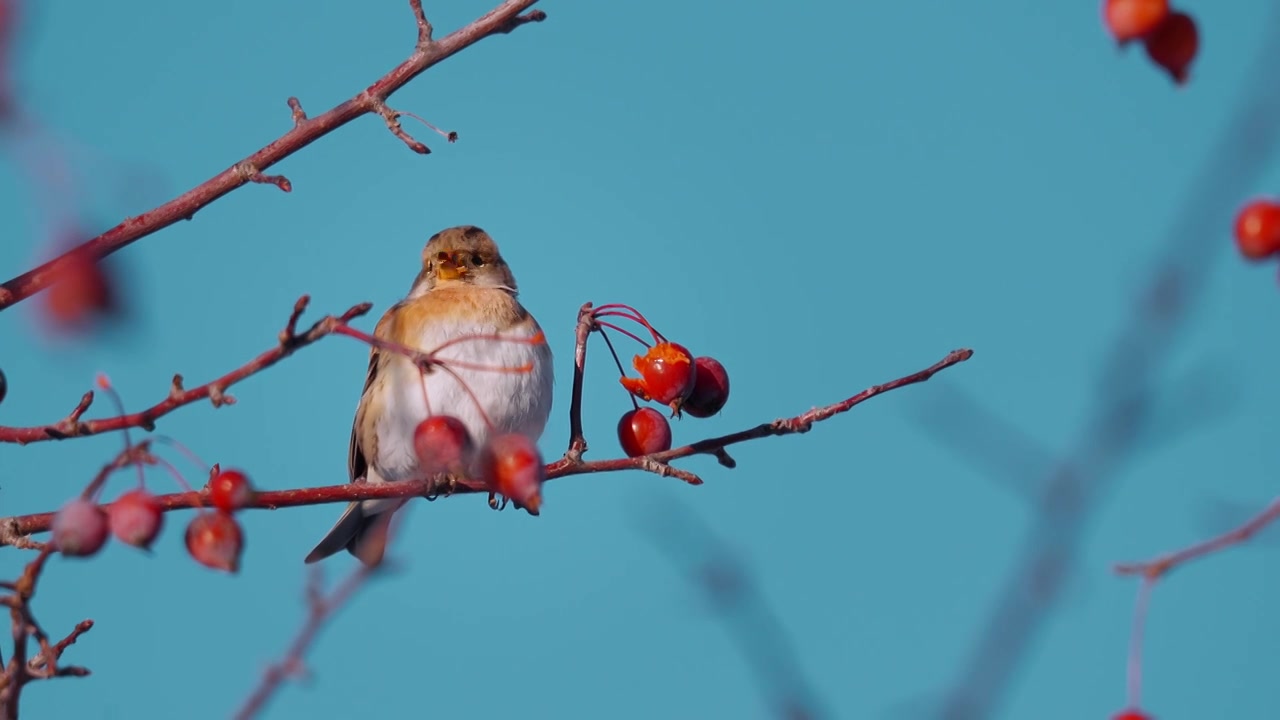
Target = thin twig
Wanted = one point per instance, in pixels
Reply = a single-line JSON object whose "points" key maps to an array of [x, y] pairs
{"points": [[214, 390]]}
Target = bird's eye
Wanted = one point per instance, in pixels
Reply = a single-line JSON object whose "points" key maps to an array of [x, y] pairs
{"points": [[477, 261]]}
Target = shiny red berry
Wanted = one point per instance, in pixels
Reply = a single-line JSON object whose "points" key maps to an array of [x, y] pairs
{"points": [[1173, 45], [136, 518], [667, 374], [1258, 229], [214, 539], [230, 490], [710, 388], [442, 445], [511, 465], [1132, 714], [79, 528], [644, 431], [1133, 19]]}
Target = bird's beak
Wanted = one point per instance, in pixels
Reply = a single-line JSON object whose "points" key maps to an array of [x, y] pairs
{"points": [[448, 267]]}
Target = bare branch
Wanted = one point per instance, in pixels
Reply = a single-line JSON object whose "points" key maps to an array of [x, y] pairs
{"points": [[18, 527], [214, 390], [502, 19]]}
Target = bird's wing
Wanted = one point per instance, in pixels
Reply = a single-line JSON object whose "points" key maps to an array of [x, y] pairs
{"points": [[357, 454]]}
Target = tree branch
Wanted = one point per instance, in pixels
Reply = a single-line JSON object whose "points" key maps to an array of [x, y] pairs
{"points": [[427, 53], [13, 530], [215, 390], [1160, 566]]}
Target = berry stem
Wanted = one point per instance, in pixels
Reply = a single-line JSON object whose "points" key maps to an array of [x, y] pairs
{"points": [[177, 476], [628, 333], [535, 339], [617, 361], [630, 313], [186, 451], [1134, 665], [105, 385]]}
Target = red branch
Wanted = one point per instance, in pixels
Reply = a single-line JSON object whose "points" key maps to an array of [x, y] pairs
{"points": [[1160, 566], [14, 530], [427, 52], [215, 390]]}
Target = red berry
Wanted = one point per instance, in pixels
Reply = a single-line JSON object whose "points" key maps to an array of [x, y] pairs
{"points": [[1258, 229], [1173, 45], [644, 431], [511, 465], [136, 518], [442, 444], [667, 374], [1132, 714], [81, 291], [1133, 19], [79, 528], [230, 490], [214, 540], [710, 388]]}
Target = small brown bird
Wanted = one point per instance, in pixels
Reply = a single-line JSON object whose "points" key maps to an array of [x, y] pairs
{"points": [[465, 289]]}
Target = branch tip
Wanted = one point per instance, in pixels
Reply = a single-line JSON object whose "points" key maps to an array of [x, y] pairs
{"points": [[533, 16], [424, 25], [295, 108]]}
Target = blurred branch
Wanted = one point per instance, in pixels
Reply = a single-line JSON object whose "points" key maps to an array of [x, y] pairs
{"points": [[1122, 411], [320, 608], [20, 669], [707, 561], [306, 130]]}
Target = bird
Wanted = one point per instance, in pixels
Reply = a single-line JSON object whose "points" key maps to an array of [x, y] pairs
{"points": [[465, 289]]}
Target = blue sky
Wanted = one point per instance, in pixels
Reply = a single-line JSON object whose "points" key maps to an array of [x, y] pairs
{"points": [[822, 195]]}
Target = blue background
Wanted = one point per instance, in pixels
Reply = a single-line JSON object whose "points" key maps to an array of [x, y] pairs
{"points": [[824, 195]]}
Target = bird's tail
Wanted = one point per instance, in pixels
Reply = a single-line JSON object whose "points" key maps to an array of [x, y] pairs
{"points": [[363, 535]]}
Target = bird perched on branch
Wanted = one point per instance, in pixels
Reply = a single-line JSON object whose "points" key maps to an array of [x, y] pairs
{"points": [[464, 296]]}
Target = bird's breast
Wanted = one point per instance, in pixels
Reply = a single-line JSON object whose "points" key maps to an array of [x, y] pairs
{"points": [[491, 377]]}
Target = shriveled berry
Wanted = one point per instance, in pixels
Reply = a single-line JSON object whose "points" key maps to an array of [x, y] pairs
{"points": [[710, 388], [136, 518], [230, 490], [644, 431], [667, 374], [1173, 45], [79, 528], [1133, 19], [1258, 229], [511, 465], [442, 445], [214, 539]]}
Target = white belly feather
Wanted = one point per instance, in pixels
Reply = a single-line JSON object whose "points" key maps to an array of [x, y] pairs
{"points": [[512, 401]]}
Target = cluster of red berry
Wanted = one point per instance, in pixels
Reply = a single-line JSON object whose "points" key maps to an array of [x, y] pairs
{"points": [[669, 375], [509, 464], [1169, 36], [1258, 229], [81, 527]]}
